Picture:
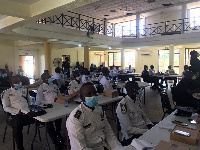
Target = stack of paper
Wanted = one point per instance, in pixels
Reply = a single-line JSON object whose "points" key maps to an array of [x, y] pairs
{"points": [[142, 145]]}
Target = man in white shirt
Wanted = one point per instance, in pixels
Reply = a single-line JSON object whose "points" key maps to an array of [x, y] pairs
{"points": [[151, 70], [87, 126], [14, 100], [58, 77], [105, 82], [133, 120], [186, 68], [47, 94]]}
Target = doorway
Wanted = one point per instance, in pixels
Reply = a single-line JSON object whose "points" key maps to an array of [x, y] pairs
{"points": [[27, 63]]}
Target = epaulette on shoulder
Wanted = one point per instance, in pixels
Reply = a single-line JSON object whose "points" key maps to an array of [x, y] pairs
{"points": [[123, 108], [77, 114]]}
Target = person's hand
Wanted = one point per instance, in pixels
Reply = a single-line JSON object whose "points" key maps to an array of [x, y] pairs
{"points": [[55, 99], [149, 126]]}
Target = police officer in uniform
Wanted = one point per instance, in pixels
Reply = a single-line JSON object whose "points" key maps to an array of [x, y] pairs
{"points": [[133, 120], [87, 126], [47, 94], [14, 100]]}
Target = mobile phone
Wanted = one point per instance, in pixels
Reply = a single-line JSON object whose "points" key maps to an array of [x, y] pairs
{"points": [[179, 123], [179, 132], [192, 121]]}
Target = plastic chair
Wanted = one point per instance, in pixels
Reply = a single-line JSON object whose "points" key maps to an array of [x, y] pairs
{"points": [[10, 124], [166, 106]]}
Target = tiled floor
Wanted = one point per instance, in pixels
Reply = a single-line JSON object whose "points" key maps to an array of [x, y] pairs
{"points": [[152, 108]]}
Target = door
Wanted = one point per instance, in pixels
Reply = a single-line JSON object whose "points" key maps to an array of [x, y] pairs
{"points": [[27, 63]]}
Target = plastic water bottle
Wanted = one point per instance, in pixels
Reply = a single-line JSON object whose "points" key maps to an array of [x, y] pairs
{"points": [[66, 100], [32, 100]]}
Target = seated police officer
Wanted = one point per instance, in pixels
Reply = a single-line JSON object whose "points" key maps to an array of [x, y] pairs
{"points": [[87, 126], [133, 120], [104, 81], [14, 100], [47, 94]]}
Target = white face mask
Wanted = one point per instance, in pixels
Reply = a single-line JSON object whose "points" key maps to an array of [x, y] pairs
{"points": [[194, 77]]}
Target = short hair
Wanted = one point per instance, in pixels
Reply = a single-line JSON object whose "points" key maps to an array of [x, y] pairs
{"points": [[13, 77], [84, 85], [105, 71], [44, 75], [57, 70], [145, 66], [130, 83], [151, 66]]}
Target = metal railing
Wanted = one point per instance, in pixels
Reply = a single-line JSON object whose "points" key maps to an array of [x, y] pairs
{"points": [[86, 23]]}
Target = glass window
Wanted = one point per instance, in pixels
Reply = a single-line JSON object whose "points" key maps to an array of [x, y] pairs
{"points": [[129, 59], [194, 17], [129, 28], [176, 61], [114, 59], [163, 63]]}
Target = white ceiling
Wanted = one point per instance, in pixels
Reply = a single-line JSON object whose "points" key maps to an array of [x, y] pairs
{"points": [[28, 2], [103, 7]]}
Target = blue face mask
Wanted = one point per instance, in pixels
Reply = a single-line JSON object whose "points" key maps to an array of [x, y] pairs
{"points": [[17, 86], [91, 101], [139, 93], [50, 80], [4, 75]]}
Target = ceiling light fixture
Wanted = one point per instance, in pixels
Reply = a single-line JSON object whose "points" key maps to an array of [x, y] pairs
{"points": [[109, 47], [79, 45]]}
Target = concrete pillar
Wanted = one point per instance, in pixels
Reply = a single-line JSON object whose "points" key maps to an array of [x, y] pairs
{"points": [[181, 60], [171, 56], [137, 25], [86, 57], [183, 16], [47, 56], [122, 59]]}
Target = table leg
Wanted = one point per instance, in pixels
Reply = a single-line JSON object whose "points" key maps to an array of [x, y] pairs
{"points": [[46, 126], [144, 95], [35, 134]]}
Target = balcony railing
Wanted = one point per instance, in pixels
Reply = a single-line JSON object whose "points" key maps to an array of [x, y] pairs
{"points": [[85, 23]]}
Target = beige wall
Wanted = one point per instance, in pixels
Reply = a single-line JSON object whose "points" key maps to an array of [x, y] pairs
{"points": [[73, 52], [7, 56], [95, 57]]}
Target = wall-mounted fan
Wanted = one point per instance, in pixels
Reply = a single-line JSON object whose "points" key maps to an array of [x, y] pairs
{"points": [[57, 62]]}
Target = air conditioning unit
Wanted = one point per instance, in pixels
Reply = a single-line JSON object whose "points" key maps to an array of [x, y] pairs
{"points": [[146, 53], [98, 53]]}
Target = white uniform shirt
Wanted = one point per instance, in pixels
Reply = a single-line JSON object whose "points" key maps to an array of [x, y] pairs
{"points": [[85, 79], [59, 78], [15, 100], [90, 130], [47, 93], [112, 73], [183, 73], [151, 72], [74, 86], [106, 84], [131, 117]]}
